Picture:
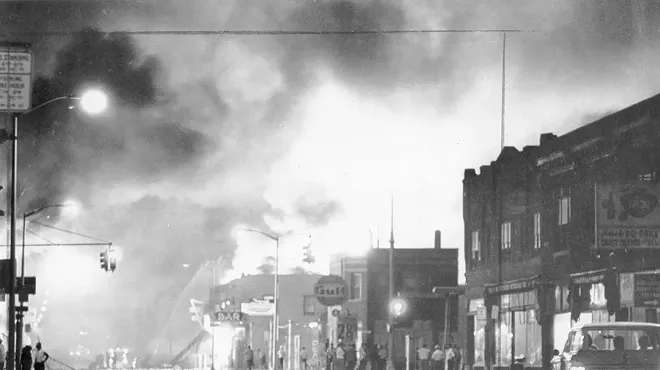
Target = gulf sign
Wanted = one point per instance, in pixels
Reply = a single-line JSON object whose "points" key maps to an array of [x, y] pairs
{"points": [[331, 290]]}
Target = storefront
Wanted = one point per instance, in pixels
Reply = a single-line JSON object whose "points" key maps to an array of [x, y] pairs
{"points": [[513, 330]]}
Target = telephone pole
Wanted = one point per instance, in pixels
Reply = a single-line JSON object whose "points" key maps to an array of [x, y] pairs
{"points": [[390, 342]]}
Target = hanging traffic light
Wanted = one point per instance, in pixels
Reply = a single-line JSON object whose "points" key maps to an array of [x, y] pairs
{"points": [[112, 259], [105, 261]]}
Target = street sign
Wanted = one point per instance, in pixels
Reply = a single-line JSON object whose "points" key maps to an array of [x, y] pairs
{"points": [[647, 290], [15, 80], [258, 308], [225, 316], [347, 329], [331, 290]]}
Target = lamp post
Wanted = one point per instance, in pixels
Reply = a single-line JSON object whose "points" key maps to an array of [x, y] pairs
{"points": [[93, 102], [20, 314]]}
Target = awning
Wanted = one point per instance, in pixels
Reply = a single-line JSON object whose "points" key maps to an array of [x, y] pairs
{"points": [[590, 277], [516, 286]]}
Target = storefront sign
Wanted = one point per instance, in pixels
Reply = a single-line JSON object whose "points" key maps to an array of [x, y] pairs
{"points": [[626, 286], [594, 277], [481, 313], [628, 215], [514, 286], [495, 312], [647, 290]]}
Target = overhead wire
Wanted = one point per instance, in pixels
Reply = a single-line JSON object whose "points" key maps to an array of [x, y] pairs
{"points": [[71, 232], [40, 237], [271, 32]]}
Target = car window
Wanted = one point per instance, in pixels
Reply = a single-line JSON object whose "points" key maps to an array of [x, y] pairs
{"points": [[619, 339]]}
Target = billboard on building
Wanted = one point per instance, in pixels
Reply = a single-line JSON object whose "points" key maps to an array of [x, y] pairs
{"points": [[628, 215]]}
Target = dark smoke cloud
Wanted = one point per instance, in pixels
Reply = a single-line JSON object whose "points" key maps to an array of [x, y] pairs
{"points": [[316, 207], [267, 267], [60, 143]]}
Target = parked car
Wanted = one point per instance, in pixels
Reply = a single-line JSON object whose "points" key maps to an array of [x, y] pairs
{"points": [[620, 345]]}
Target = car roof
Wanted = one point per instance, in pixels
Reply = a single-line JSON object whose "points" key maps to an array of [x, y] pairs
{"points": [[617, 324]]}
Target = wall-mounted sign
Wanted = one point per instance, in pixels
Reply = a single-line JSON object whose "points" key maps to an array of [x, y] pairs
{"points": [[628, 215], [225, 316], [647, 290], [261, 308]]}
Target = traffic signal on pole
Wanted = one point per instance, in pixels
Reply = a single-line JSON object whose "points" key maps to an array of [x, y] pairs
{"points": [[105, 261], [308, 256], [399, 311]]}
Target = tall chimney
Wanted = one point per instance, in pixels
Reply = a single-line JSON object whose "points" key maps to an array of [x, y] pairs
{"points": [[437, 243]]}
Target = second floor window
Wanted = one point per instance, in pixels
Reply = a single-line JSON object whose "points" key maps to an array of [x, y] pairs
{"points": [[309, 305], [564, 205], [537, 230], [505, 236], [356, 286], [475, 246]]}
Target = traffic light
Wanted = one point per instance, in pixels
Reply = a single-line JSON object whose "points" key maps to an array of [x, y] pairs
{"points": [[308, 256], [112, 259], [105, 261], [399, 312]]}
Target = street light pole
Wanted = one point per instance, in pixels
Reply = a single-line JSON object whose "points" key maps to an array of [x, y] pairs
{"points": [[94, 102], [390, 342], [276, 288], [11, 327], [20, 315]]}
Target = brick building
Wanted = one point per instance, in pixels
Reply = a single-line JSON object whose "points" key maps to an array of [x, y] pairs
{"points": [[559, 232], [416, 273]]}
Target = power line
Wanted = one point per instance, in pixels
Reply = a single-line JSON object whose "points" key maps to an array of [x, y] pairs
{"points": [[63, 245], [39, 236], [71, 232], [269, 32]]}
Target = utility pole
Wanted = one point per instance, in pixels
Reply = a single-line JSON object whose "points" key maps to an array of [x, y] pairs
{"points": [[390, 342]]}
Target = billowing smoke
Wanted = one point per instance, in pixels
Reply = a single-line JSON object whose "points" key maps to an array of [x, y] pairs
{"points": [[208, 132]]}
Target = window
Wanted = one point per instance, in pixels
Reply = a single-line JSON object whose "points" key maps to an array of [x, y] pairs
{"points": [[356, 286], [505, 236], [537, 230], [309, 305], [564, 210], [646, 176], [410, 282], [476, 246]]}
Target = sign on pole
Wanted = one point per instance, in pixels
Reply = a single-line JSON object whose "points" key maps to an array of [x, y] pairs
{"points": [[331, 290], [347, 329], [15, 79]]}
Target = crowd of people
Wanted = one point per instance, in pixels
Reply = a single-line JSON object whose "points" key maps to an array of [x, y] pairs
{"points": [[348, 357]]}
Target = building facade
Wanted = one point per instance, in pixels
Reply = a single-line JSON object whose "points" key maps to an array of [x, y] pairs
{"points": [[559, 233], [416, 273], [299, 312]]}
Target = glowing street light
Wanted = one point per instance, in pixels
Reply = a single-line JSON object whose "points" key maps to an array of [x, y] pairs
{"points": [[94, 101]]}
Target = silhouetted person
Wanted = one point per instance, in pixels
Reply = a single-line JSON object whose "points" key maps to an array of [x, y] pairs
{"points": [[26, 358], [40, 358], [618, 343], [249, 358]]}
